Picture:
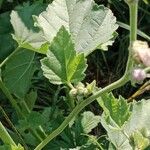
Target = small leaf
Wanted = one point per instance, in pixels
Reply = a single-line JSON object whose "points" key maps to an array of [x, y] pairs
{"points": [[18, 72], [89, 121], [117, 109], [26, 35], [93, 27], [63, 64]]}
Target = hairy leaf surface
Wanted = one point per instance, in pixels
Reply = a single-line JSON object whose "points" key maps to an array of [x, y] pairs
{"points": [[26, 35], [117, 109], [135, 127], [89, 24], [63, 64]]}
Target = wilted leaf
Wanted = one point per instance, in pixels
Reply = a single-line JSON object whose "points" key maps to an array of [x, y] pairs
{"points": [[89, 24], [63, 64]]}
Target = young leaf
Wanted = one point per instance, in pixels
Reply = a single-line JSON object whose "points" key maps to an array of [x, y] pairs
{"points": [[63, 64], [121, 136], [93, 27], [89, 121], [26, 35], [18, 72], [117, 109]]}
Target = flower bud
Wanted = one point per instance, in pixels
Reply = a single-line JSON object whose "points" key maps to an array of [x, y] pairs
{"points": [[138, 75], [73, 92], [141, 52]]}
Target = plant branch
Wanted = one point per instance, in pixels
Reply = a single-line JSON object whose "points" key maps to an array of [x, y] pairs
{"points": [[126, 77]]}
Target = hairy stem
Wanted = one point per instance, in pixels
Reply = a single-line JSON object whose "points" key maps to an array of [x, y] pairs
{"points": [[126, 77], [133, 21], [13, 102]]}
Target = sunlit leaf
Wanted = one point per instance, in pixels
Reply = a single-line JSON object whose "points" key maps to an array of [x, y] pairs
{"points": [[89, 24], [63, 64], [134, 128], [26, 35]]}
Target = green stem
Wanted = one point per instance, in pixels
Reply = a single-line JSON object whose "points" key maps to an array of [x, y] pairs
{"points": [[78, 108], [41, 133], [115, 85], [133, 21], [9, 96], [14, 103], [4, 135], [13, 127], [8, 57]]}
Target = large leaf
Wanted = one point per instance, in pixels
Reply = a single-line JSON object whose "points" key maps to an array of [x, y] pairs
{"points": [[18, 72], [26, 35], [136, 127], [63, 64], [89, 24]]}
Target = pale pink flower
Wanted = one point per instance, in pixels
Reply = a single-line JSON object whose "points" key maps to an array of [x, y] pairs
{"points": [[141, 52], [139, 75]]}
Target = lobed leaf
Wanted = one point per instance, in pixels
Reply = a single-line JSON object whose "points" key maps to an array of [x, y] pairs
{"points": [[136, 126], [90, 25], [26, 35], [117, 109], [63, 64]]}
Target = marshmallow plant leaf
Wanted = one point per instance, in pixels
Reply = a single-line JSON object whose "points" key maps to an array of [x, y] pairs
{"points": [[26, 35], [63, 64], [91, 26], [127, 125], [18, 72]]}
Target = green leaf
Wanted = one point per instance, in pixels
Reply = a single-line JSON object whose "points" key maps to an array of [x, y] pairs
{"points": [[122, 136], [30, 99], [26, 35], [89, 121], [117, 109], [94, 25], [5, 37], [63, 64], [139, 141], [18, 72]]}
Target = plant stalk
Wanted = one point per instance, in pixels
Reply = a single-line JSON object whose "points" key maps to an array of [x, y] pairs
{"points": [[126, 77], [4, 135]]}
